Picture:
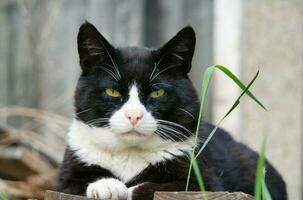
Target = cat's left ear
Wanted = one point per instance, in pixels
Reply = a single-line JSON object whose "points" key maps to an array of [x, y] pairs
{"points": [[93, 48], [179, 50]]}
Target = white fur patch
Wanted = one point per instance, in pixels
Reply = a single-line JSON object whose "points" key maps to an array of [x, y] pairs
{"points": [[125, 155], [107, 188], [99, 146], [120, 124]]}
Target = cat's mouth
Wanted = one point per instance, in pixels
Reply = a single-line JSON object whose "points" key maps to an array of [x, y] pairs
{"points": [[133, 133]]}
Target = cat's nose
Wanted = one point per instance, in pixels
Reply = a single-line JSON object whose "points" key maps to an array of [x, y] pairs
{"points": [[134, 117]]}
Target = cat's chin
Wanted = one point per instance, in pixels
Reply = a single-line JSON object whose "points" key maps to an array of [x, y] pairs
{"points": [[133, 138], [133, 133]]}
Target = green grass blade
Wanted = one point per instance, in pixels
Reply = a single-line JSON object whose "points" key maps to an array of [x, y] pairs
{"points": [[205, 86], [239, 83], [198, 175], [3, 196], [204, 90], [260, 173], [235, 104], [265, 192]]}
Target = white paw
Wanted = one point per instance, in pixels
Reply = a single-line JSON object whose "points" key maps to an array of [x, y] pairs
{"points": [[130, 192], [108, 188]]}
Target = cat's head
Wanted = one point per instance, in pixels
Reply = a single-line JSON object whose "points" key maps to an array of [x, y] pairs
{"points": [[137, 93]]}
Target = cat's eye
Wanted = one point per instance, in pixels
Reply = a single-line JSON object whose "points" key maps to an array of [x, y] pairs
{"points": [[111, 92], [157, 93]]}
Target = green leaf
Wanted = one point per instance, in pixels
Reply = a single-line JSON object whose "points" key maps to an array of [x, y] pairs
{"points": [[204, 90], [3, 196], [204, 87], [235, 104], [265, 192], [239, 83], [260, 172], [199, 177]]}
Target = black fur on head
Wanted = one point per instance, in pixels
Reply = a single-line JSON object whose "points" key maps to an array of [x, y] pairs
{"points": [[167, 68]]}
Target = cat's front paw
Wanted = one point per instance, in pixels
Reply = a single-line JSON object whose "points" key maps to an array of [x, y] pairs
{"points": [[108, 188]]}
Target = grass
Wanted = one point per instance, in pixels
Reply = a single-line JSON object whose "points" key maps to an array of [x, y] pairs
{"points": [[3, 196], [260, 186], [261, 191]]}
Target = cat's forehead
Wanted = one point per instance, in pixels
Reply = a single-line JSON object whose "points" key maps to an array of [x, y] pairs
{"points": [[135, 61], [135, 55]]}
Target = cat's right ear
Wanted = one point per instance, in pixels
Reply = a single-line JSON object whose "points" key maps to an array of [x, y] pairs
{"points": [[93, 48]]}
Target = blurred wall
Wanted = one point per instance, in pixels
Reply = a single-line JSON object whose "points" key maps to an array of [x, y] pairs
{"points": [[273, 41], [265, 35], [39, 61]]}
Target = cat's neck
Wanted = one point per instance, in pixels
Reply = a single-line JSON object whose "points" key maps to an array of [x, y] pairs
{"points": [[122, 160]]}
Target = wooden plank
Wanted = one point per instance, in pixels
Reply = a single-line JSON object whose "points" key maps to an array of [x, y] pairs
{"points": [[17, 163], [51, 195], [21, 189], [201, 195]]}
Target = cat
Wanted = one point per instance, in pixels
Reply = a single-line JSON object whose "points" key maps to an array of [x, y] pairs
{"points": [[136, 112]]}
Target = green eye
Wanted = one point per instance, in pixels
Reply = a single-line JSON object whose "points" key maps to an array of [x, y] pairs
{"points": [[157, 93], [111, 92]]}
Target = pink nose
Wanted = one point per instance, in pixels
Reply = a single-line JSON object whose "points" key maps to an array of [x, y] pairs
{"points": [[134, 117]]}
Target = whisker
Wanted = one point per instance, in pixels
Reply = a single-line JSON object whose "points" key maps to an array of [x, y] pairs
{"points": [[96, 123], [165, 122], [115, 69], [112, 60], [83, 111], [103, 126], [164, 135], [164, 84], [178, 135], [174, 136], [170, 128], [155, 67], [163, 70], [191, 115], [97, 119], [109, 72]]}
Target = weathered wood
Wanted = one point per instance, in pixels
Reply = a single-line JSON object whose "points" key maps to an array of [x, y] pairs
{"points": [[45, 181], [201, 195], [51, 195], [21, 189], [17, 163]]}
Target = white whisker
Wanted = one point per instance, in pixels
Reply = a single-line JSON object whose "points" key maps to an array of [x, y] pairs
{"points": [[163, 70], [155, 67], [109, 72], [191, 115], [164, 135], [173, 124], [115, 69], [97, 119], [86, 110], [112, 60], [173, 132]]}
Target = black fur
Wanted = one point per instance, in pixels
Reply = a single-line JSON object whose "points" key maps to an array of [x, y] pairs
{"points": [[226, 164]]}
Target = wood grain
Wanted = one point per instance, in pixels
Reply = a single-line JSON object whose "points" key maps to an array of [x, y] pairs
{"points": [[51, 195], [200, 195]]}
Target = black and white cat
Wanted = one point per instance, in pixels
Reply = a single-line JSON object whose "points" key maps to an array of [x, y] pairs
{"points": [[136, 112]]}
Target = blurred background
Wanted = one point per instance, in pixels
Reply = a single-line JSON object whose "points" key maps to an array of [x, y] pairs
{"points": [[39, 69]]}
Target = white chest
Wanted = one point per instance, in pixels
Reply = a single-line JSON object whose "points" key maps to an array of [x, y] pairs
{"points": [[126, 162]]}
